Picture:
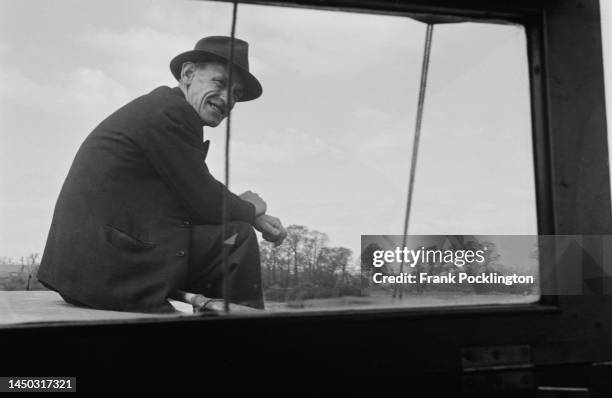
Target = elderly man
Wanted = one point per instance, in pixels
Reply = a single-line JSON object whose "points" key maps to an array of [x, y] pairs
{"points": [[139, 215]]}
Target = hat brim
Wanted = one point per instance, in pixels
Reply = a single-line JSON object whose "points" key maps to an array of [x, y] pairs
{"points": [[251, 86]]}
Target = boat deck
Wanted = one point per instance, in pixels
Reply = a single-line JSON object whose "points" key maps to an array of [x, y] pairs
{"points": [[44, 306]]}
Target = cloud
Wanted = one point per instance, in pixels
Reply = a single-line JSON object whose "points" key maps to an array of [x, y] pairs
{"points": [[163, 30], [193, 18], [371, 117], [137, 56], [95, 87], [140, 54], [4, 48], [341, 42], [273, 150], [82, 87], [142, 44]]}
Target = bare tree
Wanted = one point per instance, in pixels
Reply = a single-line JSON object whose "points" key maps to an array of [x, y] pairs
{"points": [[30, 262], [295, 238], [314, 241]]}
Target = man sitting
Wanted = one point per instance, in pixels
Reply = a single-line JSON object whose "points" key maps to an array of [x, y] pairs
{"points": [[139, 216]]}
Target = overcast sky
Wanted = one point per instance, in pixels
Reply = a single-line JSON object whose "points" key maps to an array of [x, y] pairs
{"points": [[328, 145]]}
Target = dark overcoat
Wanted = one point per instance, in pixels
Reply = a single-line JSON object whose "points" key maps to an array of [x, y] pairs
{"points": [[121, 229]]}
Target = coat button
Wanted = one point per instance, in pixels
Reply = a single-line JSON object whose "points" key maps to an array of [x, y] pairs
{"points": [[180, 253]]}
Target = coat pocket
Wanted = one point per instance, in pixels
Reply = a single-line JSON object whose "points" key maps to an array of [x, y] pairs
{"points": [[124, 241]]}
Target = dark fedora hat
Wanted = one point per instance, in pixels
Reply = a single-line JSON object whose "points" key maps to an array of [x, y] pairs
{"points": [[217, 48]]}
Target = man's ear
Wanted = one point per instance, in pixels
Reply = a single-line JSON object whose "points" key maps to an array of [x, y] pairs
{"points": [[187, 72]]}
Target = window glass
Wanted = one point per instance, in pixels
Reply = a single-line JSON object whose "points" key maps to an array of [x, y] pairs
{"points": [[328, 145]]}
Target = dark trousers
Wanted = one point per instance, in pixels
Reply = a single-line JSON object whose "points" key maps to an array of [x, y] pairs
{"points": [[206, 274]]}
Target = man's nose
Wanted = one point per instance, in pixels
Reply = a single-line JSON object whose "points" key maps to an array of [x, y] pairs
{"points": [[230, 103]]}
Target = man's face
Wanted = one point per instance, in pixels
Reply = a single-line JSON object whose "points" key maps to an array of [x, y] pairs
{"points": [[207, 92]]}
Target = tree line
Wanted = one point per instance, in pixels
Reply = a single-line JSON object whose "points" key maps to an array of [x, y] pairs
{"points": [[305, 266], [25, 277]]}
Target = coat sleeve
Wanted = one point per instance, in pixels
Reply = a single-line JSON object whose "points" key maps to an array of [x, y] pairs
{"points": [[176, 152]]}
